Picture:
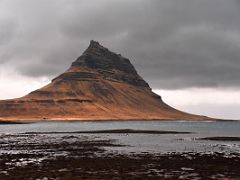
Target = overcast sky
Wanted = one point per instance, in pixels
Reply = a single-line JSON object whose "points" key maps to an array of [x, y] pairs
{"points": [[188, 50]]}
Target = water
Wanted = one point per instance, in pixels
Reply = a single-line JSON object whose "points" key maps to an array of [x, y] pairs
{"points": [[161, 143]]}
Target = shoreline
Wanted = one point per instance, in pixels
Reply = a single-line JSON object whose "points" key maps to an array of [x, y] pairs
{"points": [[114, 131], [107, 120]]}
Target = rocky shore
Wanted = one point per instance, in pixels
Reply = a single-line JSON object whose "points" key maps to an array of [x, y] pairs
{"points": [[77, 156]]}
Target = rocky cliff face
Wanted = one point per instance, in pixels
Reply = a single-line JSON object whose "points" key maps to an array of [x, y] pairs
{"points": [[99, 85], [105, 65]]}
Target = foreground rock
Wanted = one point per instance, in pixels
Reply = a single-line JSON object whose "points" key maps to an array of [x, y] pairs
{"points": [[99, 85], [72, 156]]}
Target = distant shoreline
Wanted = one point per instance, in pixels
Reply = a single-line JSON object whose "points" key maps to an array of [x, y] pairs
{"points": [[4, 122], [114, 131], [13, 122]]}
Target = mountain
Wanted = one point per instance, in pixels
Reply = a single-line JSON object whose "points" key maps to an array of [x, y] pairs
{"points": [[99, 85]]}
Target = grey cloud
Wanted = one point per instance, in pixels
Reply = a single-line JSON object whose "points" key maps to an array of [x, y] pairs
{"points": [[200, 59], [172, 43], [227, 111], [7, 31]]}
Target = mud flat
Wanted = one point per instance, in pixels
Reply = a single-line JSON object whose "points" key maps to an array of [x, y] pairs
{"points": [[115, 131], [76, 156], [219, 138]]}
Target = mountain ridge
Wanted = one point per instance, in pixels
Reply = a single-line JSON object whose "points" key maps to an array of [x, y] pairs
{"points": [[99, 85]]}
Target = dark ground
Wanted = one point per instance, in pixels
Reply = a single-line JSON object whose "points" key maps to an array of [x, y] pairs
{"points": [[70, 157]]}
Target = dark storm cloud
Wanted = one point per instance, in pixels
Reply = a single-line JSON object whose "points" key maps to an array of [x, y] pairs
{"points": [[172, 43]]}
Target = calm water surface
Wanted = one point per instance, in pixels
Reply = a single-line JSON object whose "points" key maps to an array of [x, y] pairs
{"points": [[145, 142]]}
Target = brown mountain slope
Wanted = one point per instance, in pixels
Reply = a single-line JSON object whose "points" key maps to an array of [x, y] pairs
{"points": [[99, 85]]}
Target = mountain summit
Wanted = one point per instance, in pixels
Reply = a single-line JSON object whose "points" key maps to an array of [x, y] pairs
{"points": [[99, 85], [97, 62]]}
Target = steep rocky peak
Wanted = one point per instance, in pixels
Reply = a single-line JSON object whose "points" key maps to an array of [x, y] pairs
{"points": [[103, 64], [98, 57], [95, 47]]}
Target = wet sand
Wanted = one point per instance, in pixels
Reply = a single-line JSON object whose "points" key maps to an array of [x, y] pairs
{"points": [[219, 138], [73, 156]]}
